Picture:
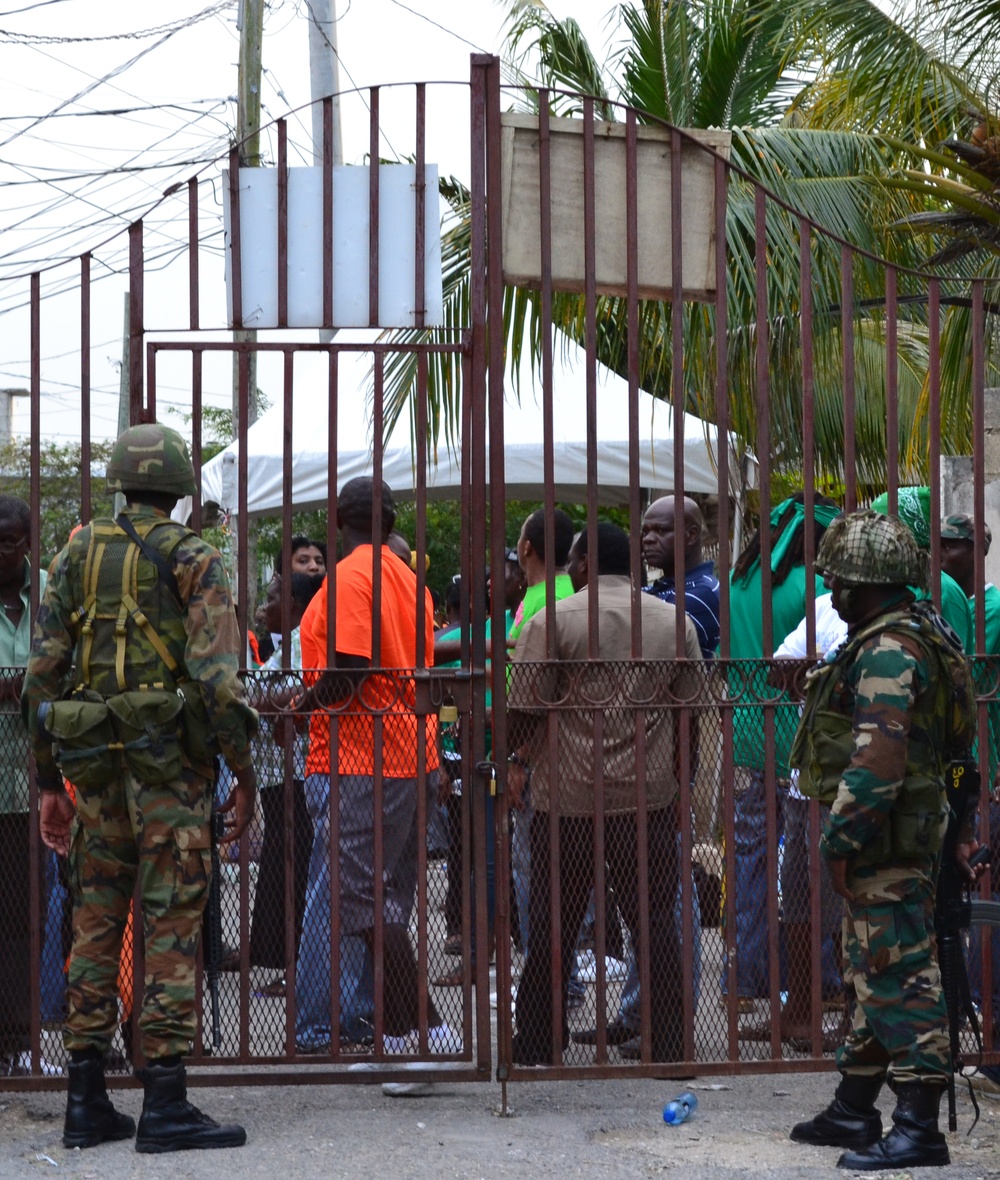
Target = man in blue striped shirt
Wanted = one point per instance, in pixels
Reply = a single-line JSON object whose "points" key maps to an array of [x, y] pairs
{"points": [[701, 586]]}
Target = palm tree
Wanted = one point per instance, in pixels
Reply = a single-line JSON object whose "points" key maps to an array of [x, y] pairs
{"points": [[789, 78]]}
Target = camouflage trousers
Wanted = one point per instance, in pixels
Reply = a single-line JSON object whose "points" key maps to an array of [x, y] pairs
{"points": [[900, 1024], [158, 836]]}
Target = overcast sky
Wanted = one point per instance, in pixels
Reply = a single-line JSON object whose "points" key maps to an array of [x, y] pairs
{"points": [[100, 115]]}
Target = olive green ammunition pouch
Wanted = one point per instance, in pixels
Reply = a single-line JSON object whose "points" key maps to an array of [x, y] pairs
{"points": [[92, 737]]}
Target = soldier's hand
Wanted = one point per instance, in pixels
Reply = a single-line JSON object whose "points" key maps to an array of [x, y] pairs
{"points": [[241, 801], [963, 851], [838, 878], [56, 821]]}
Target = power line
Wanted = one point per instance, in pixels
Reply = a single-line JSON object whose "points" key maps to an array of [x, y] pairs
{"points": [[29, 7], [16, 38], [117, 111], [116, 71], [443, 28]]}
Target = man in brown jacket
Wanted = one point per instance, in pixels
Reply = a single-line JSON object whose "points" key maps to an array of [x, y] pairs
{"points": [[576, 720]]}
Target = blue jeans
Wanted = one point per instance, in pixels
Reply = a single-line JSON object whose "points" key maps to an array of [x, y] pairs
{"points": [[749, 889], [53, 965], [628, 1009], [520, 865], [312, 976], [749, 892]]}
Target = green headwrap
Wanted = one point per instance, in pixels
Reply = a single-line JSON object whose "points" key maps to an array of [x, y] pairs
{"points": [[914, 510], [823, 514]]}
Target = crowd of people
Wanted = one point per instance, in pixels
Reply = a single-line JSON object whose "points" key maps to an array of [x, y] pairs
{"points": [[615, 691]]}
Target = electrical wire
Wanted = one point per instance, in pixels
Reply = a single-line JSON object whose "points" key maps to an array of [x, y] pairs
{"points": [[16, 38], [115, 111], [444, 28], [29, 7], [125, 66]]}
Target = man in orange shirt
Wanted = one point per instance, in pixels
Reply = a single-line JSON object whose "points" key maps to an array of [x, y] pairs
{"points": [[363, 707]]}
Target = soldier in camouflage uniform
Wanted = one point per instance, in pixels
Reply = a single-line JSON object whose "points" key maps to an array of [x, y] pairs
{"points": [[131, 688], [883, 717]]}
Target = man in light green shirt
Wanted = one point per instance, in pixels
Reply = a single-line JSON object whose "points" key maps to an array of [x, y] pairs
{"points": [[531, 555]]}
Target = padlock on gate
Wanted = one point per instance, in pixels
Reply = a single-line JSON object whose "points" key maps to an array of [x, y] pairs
{"points": [[448, 713]]}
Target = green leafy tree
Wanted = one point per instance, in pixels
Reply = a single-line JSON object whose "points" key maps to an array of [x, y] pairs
{"points": [[61, 481], [818, 96]]}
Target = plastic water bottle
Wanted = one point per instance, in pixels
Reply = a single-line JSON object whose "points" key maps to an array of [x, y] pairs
{"points": [[677, 1110]]}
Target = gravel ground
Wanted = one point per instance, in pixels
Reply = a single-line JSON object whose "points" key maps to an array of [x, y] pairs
{"points": [[585, 1128]]}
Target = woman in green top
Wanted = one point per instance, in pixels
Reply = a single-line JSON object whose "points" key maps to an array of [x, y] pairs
{"points": [[789, 578]]}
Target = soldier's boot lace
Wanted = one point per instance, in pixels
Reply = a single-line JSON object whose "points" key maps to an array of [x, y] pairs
{"points": [[169, 1122], [913, 1142], [850, 1120], [90, 1117]]}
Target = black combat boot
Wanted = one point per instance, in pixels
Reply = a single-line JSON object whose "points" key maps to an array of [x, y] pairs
{"points": [[169, 1122], [913, 1142], [90, 1117], [850, 1120]]}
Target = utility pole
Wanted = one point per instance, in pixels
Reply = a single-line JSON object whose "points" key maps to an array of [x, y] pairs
{"points": [[324, 80], [324, 74], [250, 24]]}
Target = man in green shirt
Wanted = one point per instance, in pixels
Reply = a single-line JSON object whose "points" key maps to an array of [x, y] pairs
{"points": [[913, 507], [958, 558], [531, 554]]}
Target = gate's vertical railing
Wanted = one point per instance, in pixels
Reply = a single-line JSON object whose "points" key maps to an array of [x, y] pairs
{"points": [[485, 401], [683, 719], [494, 543]]}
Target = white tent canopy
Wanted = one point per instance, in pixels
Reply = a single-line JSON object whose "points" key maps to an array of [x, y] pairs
{"points": [[523, 450]]}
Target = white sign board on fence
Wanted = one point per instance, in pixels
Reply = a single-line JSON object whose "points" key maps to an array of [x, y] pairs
{"points": [[396, 247]]}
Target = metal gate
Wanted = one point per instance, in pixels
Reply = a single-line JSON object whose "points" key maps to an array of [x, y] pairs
{"points": [[732, 816]]}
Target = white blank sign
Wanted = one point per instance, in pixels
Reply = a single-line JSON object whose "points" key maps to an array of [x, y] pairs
{"points": [[396, 252]]}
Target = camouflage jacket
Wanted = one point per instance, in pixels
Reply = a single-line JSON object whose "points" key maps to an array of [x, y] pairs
{"points": [[892, 692], [206, 647]]}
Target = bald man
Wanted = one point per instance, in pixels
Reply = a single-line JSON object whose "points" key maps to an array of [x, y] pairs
{"points": [[701, 586]]}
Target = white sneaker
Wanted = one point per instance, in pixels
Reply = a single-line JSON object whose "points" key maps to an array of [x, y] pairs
{"points": [[395, 1089], [397, 1044], [442, 1038], [614, 969], [22, 1066], [408, 1089]]}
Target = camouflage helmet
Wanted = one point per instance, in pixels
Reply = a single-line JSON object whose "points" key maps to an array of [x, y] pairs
{"points": [[867, 548], [151, 457]]}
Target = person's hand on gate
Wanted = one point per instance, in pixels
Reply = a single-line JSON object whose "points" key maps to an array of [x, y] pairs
{"points": [[241, 801], [517, 780], [838, 878], [964, 850], [56, 821]]}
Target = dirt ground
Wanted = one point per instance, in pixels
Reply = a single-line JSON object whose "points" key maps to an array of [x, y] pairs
{"points": [[586, 1128]]}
